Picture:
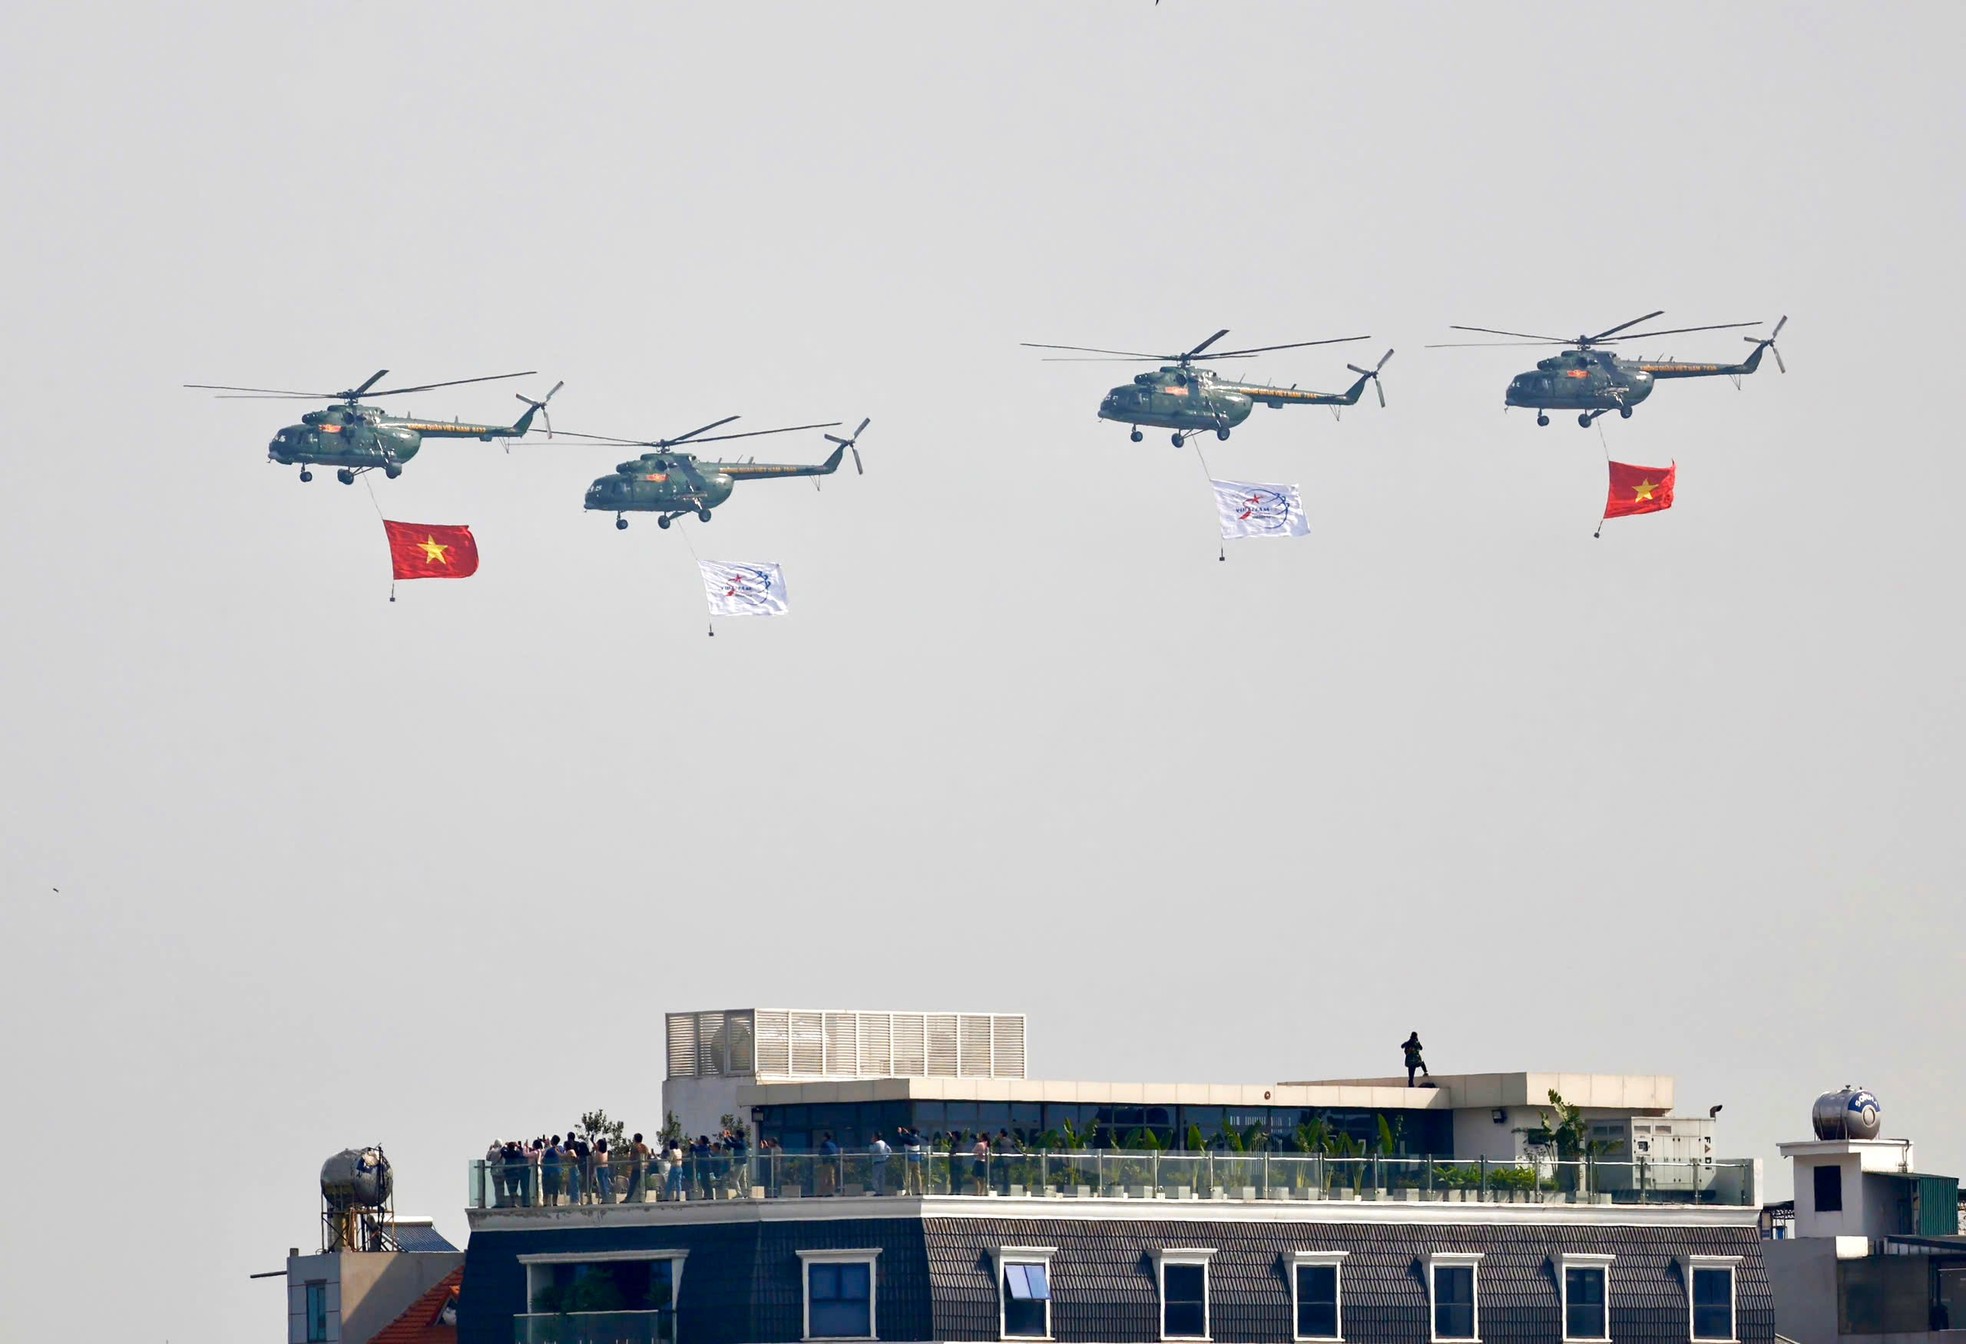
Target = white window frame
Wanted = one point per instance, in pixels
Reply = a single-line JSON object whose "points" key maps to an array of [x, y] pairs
{"points": [[1186, 1255], [1336, 1259], [1566, 1262], [1005, 1256], [867, 1255], [1730, 1263], [1456, 1260], [676, 1259]]}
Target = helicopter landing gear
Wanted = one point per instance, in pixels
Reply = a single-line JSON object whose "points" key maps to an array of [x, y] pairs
{"points": [[1541, 418], [1221, 433], [703, 514], [1585, 419], [344, 475], [662, 520], [1624, 412], [621, 524], [1179, 439], [306, 475], [1136, 436], [391, 470]]}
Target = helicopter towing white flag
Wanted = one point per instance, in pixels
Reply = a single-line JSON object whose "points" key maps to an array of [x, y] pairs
{"points": [[1255, 509], [734, 589]]}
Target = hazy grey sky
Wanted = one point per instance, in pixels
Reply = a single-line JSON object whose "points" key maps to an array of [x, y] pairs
{"points": [[333, 871]]}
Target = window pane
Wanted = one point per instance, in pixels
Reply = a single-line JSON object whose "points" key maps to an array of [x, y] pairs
{"points": [[1829, 1189], [317, 1312], [1584, 1293], [1454, 1313], [1713, 1304], [1184, 1312], [1317, 1301], [839, 1299], [1025, 1312]]}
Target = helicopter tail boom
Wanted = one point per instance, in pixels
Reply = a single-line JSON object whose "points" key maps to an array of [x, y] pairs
{"points": [[752, 471]]}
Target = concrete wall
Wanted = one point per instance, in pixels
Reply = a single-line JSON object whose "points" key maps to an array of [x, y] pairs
{"points": [[1802, 1275], [700, 1102], [366, 1289]]}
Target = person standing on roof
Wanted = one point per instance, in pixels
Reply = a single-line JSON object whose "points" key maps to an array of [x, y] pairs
{"points": [[877, 1153], [1411, 1045]]}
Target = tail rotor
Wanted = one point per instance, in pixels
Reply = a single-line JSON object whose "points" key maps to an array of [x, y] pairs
{"points": [[1373, 374], [853, 443], [540, 405], [1768, 342]]}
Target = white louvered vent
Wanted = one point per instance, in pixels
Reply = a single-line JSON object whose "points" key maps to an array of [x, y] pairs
{"points": [[876, 1055], [1007, 1046], [709, 1044], [774, 1042], [841, 1046], [910, 1044], [974, 1031], [942, 1048], [682, 1045], [808, 1044]]}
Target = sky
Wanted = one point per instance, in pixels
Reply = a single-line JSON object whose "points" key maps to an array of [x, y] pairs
{"points": [[332, 871]]}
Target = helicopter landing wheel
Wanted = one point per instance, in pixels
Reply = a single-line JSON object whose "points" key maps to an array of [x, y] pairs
{"points": [[344, 475], [1136, 436], [306, 475], [392, 471], [662, 521], [1584, 420], [703, 515], [621, 524], [1624, 412], [1179, 440], [1221, 433], [1542, 419]]}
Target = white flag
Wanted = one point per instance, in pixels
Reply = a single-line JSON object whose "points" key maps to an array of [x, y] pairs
{"points": [[1253, 509], [743, 590]]}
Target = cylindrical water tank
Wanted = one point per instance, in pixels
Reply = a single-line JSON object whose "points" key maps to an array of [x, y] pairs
{"points": [[356, 1178], [1847, 1113]]}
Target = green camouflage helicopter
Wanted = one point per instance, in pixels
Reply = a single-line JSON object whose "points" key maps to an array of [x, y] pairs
{"points": [[670, 484], [1188, 400], [1593, 382], [353, 438]]}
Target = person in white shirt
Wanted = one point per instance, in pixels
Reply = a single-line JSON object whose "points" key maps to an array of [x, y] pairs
{"points": [[879, 1152]]}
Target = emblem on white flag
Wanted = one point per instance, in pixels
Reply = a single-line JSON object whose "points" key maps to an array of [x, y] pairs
{"points": [[743, 590], [1253, 509]]}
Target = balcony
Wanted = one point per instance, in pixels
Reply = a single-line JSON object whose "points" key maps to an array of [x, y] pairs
{"points": [[1121, 1174], [596, 1327]]}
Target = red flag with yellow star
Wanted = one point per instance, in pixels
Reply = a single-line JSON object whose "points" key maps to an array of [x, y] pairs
{"points": [[431, 551], [1639, 489]]}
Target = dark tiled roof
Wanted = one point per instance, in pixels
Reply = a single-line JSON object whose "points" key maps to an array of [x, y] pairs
{"points": [[741, 1281]]}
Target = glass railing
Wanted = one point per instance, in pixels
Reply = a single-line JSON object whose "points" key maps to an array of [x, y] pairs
{"points": [[596, 1327], [1116, 1174]]}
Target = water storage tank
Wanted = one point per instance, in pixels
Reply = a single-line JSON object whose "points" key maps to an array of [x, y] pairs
{"points": [[1847, 1113], [356, 1178]]}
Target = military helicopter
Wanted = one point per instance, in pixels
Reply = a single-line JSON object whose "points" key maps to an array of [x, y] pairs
{"points": [[353, 438], [1593, 382], [1188, 400], [670, 484]]}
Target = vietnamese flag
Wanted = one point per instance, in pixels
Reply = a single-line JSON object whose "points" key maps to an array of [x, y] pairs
{"points": [[1639, 489], [431, 551]]}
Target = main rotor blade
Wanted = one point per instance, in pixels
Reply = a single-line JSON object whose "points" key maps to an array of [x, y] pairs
{"points": [[425, 387], [1293, 345], [1486, 345], [1094, 350], [700, 429], [755, 433], [1526, 335], [374, 378], [1205, 344], [1622, 325], [263, 391], [1676, 331]]}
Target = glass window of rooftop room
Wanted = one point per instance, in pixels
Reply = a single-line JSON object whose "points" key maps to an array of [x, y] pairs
{"points": [[1026, 1289], [1454, 1301], [1583, 1302], [931, 1116], [840, 1299], [1026, 1115], [1184, 1301], [602, 1285], [317, 1313], [1713, 1303], [1317, 1301], [963, 1114], [1829, 1189]]}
